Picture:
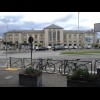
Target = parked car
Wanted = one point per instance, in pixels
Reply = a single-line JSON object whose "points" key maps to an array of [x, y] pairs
{"points": [[88, 47], [41, 49], [49, 47], [71, 47], [74, 47], [58, 48], [66, 47]]}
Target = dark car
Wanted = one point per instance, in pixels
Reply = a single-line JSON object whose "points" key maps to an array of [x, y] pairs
{"points": [[58, 48], [41, 49]]}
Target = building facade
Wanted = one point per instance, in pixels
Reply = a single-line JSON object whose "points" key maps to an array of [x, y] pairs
{"points": [[49, 36]]}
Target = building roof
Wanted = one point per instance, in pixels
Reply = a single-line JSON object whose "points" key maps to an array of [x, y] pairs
{"points": [[53, 26], [73, 31], [80, 31], [26, 31]]}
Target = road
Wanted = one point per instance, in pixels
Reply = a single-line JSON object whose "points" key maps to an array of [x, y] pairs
{"points": [[48, 54]]}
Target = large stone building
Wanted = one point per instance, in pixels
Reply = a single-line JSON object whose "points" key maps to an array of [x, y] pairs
{"points": [[50, 36]]}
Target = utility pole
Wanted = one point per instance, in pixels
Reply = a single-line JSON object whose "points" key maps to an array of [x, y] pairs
{"points": [[6, 45]]}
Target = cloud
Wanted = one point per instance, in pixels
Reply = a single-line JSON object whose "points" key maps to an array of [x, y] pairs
{"points": [[40, 20], [65, 18], [8, 19]]}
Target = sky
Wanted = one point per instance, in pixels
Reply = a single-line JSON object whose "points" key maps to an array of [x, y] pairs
{"points": [[39, 20]]}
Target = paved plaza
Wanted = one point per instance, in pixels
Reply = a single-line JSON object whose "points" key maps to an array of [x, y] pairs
{"points": [[10, 78]]}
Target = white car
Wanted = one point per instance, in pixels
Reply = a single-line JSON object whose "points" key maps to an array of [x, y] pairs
{"points": [[49, 47], [71, 47], [66, 47], [88, 47], [75, 47]]}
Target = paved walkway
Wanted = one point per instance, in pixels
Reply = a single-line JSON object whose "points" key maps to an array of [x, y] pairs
{"points": [[9, 78]]}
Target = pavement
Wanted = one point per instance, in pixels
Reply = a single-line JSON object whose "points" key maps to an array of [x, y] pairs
{"points": [[10, 78]]}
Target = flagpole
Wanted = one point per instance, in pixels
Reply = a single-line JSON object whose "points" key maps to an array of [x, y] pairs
{"points": [[6, 46]]}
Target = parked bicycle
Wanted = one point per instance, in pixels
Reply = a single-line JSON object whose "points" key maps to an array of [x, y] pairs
{"points": [[69, 66], [44, 65]]}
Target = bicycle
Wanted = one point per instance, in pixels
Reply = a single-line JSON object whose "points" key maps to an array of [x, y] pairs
{"points": [[69, 66], [48, 66]]}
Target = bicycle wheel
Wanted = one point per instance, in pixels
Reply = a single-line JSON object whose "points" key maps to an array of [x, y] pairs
{"points": [[37, 66], [64, 70], [50, 68]]}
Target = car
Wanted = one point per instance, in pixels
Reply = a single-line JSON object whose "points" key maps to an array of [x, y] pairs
{"points": [[74, 47], [41, 49], [49, 47], [71, 47], [88, 47], [66, 47], [58, 47]]}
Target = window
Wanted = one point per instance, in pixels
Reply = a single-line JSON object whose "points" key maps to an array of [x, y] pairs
{"points": [[16, 42], [64, 44], [75, 35], [74, 44], [41, 41], [70, 44], [49, 44], [69, 36], [10, 36], [49, 35], [58, 35], [41, 36], [24, 36], [54, 35], [10, 42], [16, 36], [35, 41], [79, 36], [24, 42], [36, 36]]}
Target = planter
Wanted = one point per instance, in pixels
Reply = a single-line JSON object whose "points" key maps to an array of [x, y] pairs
{"points": [[77, 83], [30, 80]]}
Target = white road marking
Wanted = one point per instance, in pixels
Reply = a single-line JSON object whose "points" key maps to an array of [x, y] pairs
{"points": [[8, 77]]}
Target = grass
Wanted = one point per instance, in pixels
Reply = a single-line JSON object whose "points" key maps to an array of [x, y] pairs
{"points": [[81, 52]]}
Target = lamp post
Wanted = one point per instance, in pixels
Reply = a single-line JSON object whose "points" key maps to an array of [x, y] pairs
{"points": [[30, 39], [6, 47]]}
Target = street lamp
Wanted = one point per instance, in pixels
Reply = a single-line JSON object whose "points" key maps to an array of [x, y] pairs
{"points": [[30, 39], [6, 47]]}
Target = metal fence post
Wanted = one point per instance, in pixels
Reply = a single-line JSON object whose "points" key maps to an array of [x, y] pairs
{"points": [[10, 61], [98, 75], [64, 66]]}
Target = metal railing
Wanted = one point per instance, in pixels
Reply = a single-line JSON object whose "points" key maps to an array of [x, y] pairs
{"points": [[63, 67]]}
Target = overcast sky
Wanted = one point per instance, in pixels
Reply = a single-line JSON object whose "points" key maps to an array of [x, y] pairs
{"points": [[39, 20]]}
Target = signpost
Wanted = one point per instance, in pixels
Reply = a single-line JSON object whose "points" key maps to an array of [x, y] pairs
{"points": [[30, 39]]}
